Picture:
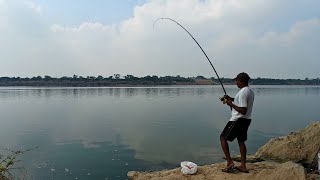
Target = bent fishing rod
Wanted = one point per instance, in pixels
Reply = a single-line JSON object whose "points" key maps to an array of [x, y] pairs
{"points": [[197, 44]]}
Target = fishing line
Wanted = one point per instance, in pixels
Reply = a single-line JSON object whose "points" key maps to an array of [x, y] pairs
{"points": [[197, 44]]}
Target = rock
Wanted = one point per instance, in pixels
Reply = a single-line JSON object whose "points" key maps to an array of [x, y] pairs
{"points": [[301, 146], [250, 158], [257, 171], [313, 175], [282, 172], [3, 177]]}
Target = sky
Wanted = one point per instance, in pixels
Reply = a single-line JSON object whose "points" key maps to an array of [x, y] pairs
{"points": [[268, 39]]}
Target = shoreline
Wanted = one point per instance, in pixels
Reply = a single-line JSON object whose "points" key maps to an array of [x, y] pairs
{"points": [[292, 157], [154, 86]]}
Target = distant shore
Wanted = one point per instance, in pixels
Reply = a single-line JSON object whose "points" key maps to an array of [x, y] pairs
{"points": [[131, 81]]}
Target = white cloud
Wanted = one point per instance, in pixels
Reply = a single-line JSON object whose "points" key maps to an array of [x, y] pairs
{"points": [[253, 36], [32, 5], [85, 26], [301, 29]]}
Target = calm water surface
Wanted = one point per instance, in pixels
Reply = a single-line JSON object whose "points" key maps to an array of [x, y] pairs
{"points": [[102, 133]]}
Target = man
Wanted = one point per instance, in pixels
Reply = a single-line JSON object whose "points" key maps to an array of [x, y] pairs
{"points": [[239, 122]]}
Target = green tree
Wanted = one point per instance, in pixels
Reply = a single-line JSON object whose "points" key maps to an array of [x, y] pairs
{"points": [[47, 78], [130, 77], [99, 77]]}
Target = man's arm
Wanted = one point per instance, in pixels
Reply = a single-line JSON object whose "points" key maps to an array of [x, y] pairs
{"points": [[242, 110]]}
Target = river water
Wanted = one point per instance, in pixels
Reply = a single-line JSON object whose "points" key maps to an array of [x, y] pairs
{"points": [[102, 133]]}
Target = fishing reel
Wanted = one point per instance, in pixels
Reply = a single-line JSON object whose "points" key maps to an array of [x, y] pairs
{"points": [[224, 99]]}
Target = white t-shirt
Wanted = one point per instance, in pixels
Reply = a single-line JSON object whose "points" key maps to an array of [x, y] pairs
{"points": [[244, 98]]}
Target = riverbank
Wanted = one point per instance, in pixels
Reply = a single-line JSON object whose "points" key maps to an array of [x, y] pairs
{"points": [[91, 81], [291, 157]]}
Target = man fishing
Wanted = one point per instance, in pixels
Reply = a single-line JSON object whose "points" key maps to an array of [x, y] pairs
{"points": [[240, 119], [239, 122]]}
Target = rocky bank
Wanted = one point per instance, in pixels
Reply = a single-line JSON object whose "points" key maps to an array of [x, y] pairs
{"points": [[281, 158]]}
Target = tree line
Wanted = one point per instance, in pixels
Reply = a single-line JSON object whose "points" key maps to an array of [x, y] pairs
{"points": [[131, 80]]}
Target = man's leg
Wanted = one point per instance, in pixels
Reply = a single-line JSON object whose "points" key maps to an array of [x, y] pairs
{"points": [[225, 148], [243, 153], [242, 137]]}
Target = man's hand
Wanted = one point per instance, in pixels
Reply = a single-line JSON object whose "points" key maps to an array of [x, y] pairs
{"points": [[227, 97], [228, 101], [224, 99]]}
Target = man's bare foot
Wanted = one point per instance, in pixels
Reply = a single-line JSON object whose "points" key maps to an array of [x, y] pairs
{"points": [[242, 169], [230, 165], [229, 168]]}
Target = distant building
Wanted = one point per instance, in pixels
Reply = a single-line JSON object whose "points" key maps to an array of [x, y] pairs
{"points": [[117, 76], [200, 80]]}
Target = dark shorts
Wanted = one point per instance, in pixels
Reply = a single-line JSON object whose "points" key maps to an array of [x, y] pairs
{"points": [[236, 129]]}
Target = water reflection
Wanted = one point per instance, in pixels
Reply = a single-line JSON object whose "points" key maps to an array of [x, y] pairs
{"points": [[73, 160], [285, 90], [114, 92]]}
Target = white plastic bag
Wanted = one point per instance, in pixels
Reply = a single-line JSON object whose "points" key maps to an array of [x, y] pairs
{"points": [[188, 167]]}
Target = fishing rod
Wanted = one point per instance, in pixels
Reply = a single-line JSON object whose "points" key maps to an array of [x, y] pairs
{"points": [[198, 45]]}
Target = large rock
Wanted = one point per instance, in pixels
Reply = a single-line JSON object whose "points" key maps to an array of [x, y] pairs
{"points": [[301, 146], [257, 171]]}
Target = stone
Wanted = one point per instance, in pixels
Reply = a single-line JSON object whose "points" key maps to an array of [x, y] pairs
{"points": [[301, 146]]}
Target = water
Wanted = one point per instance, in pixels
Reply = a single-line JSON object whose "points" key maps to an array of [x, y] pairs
{"points": [[102, 133]]}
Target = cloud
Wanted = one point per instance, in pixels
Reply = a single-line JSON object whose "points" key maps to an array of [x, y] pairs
{"points": [[253, 36], [298, 31], [86, 26], [231, 32], [35, 7]]}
